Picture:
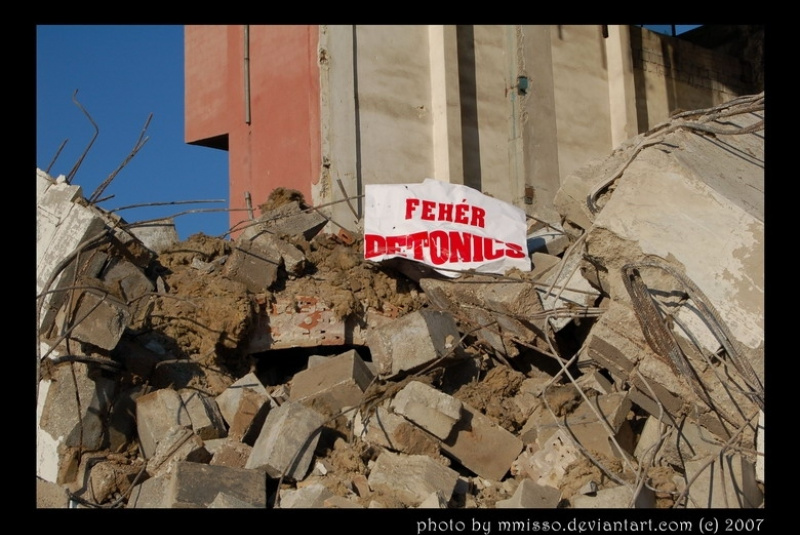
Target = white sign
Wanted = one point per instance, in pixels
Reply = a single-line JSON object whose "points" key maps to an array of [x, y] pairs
{"points": [[444, 225]]}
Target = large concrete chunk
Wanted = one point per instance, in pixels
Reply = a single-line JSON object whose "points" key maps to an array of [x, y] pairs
{"points": [[71, 414], [430, 409], [254, 263], [99, 319], [195, 485], [333, 384], [156, 413], [244, 406], [411, 478], [206, 418], [287, 441], [62, 224], [394, 432], [413, 340], [178, 444], [481, 445], [603, 427], [290, 219]]}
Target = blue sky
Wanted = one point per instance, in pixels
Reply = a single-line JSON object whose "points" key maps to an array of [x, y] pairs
{"points": [[122, 75]]}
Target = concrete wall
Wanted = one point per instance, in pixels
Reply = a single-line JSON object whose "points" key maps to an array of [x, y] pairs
{"points": [[337, 107]]}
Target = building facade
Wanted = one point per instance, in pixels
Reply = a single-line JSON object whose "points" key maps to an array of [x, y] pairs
{"points": [[508, 110]]}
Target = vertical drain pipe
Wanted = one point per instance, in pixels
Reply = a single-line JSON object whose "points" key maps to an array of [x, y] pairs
{"points": [[247, 73]]}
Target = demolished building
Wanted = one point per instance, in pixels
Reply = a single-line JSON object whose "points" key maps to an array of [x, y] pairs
{"points": [[282, 369]]}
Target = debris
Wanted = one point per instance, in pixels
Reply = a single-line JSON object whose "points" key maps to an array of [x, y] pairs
{"points": [[619, 364]]}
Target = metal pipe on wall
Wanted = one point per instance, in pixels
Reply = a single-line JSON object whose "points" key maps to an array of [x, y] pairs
{"points": [[247, 73]]}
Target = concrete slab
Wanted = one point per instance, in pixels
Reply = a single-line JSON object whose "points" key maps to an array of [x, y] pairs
{"points": [[70, 416], [156, 413], [412, 341], [178, 444], [432, 410], [394, 432], [289, 219], [481, 445], [332, 384], [99, 319], [603, 435], [253, 263], [230, 399], [206, 418], [156, 235], [285, 446], [195, 485], [549, 240], [411, 478]]}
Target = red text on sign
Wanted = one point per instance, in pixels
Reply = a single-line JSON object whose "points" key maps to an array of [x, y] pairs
{"points": [[463, 213]]}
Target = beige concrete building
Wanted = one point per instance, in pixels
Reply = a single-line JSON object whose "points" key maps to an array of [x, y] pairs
{"points": [[508, 110]]}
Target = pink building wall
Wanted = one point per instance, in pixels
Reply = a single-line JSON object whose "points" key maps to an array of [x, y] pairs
{"points": [[281, 144]]}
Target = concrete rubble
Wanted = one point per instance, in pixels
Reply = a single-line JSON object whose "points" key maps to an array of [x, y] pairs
{"points": [[282, 370]]}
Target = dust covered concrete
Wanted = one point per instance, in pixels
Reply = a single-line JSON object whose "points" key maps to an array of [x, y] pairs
{"points": [[631, 386]]}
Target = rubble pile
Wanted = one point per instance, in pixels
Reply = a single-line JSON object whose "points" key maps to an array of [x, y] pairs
{"points": [[281, 369]]}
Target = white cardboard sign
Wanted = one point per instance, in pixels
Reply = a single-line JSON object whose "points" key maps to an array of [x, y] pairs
{"points": [[447, 226]]}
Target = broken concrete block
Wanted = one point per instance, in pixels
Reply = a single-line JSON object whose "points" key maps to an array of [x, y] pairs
{"points": [[481, 445], [156, 235], [156, 413], [289, 219], [395, 433], [206, 418], [127, 278], [728, 482], [176, 445], [231, 453], [195, 485], [509, 297], [615, 498], [333, 384], [71, 417], [603, 435], [430, 409], [287, 441], [411, 478], [63, 222], [530, 495], [99, 319], [229, 400], [413, 340], [253, 263]]}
